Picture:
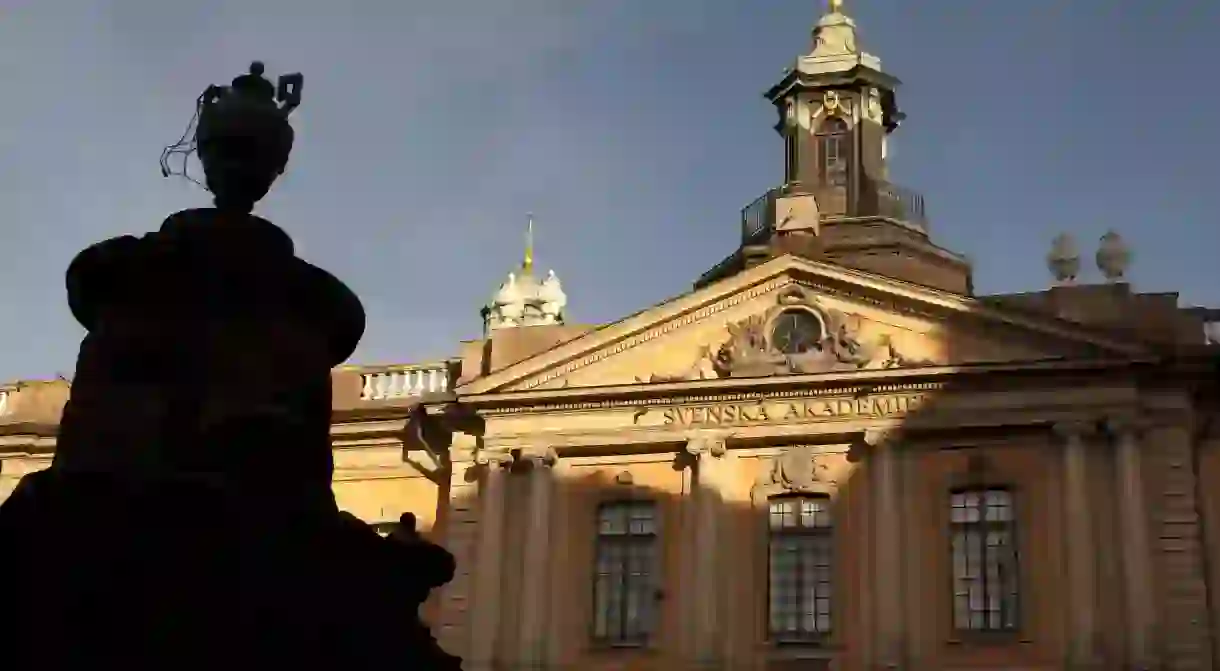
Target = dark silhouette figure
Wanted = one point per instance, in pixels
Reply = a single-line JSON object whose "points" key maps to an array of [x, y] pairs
{"points": [[187, 520]]}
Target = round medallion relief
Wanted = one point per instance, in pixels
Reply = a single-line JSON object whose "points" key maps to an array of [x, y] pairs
{"points": [[796, 331]]}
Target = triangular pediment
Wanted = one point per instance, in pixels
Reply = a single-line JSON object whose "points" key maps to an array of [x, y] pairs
{"points": [[866, 321]]}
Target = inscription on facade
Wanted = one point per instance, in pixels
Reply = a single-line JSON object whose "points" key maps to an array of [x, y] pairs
{"points": [[811, 410]]}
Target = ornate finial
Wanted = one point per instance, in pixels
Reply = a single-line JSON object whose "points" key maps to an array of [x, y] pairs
{"points": [[1113, 257], [1064, 258], [527, 265], [242, 136], [836, 6]]}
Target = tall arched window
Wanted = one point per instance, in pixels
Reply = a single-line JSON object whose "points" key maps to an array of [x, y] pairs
{"points": [[834, 148], [801, 547]]}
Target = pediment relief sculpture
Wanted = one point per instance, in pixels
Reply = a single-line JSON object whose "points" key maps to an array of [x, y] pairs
{"points": [[795, 336], [701, 369], [795, 471]]}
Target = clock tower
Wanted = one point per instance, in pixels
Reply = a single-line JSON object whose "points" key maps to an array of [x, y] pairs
{"points": [[837, 108]]}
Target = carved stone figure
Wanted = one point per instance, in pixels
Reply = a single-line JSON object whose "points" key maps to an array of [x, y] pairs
{"points": [[701, 369], [895, 359], [747, 353]]}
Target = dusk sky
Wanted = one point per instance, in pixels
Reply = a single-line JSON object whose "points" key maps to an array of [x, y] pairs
{"points": [[635, 130]]}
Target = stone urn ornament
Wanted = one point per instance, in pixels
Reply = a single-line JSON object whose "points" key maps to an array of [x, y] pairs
{"points": [[1064, 259], [187, 516], [1113, 257]]}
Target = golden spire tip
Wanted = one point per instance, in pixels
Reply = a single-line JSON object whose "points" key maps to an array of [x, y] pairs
{"points": [[527, 265]]}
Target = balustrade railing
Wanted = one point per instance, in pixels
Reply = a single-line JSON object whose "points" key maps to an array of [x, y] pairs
{"points": [[403, 381], [877, 198], [758, 218], [899, 203]]}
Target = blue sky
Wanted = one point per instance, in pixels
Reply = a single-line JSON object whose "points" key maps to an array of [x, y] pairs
{"points": [[635, 130]]}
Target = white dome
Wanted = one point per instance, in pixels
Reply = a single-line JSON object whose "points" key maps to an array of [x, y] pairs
{"points": [[551, 291], [509, 292], [526, 300]]}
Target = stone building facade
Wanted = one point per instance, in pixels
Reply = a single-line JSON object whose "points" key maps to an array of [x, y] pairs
{"points": [[828, 454]]}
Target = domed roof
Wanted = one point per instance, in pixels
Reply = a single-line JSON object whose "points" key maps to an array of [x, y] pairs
{"points": [[509, 292], [523, 300]]}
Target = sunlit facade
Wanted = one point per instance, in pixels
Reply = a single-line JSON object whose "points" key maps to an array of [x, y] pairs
{"points": [[828, 454]]}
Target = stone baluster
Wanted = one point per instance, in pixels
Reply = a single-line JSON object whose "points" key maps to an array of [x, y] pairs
{"points": [[887, 546], [705, 605], [1080, 545], [485, 613], [535, 591], [1137, 573]]}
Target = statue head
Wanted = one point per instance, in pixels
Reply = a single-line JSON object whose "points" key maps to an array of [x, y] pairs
{"points": [[243, 136]]}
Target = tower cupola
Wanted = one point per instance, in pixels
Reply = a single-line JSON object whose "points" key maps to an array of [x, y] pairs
{"points": [[523, 299], [836, 202]]}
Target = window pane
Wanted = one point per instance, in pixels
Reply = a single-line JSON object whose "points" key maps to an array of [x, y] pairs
{"points": [[613, 520], [800, 568], [624, 593], [984, 560]]}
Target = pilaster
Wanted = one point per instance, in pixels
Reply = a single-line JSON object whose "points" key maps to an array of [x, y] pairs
{"points": [[462, 539], [1081, 545], [536, 593], [560, 600], [486, 609], [705, 598], [1125, 432], [887, 548]]}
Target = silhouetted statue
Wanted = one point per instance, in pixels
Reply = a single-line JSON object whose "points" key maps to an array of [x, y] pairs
{"points": [[187, 520]]}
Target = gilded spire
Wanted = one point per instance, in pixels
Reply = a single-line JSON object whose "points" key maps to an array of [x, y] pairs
{"points": [[836, 6], [527, 265]]}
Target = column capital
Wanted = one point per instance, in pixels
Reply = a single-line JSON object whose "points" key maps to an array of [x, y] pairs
{"points": [[1074, 429], [709, 443], [1126, 424], [542, 457], [493, 459], [882, 436]]}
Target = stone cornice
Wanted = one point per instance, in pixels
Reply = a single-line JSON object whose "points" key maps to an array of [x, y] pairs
{"points": [[826, 279], [30, 430], [930, 379], [860, 74]]}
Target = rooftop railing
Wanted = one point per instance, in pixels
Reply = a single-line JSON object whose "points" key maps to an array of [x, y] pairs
{"points": [[879, 198], [382, 383], [377, 383]]}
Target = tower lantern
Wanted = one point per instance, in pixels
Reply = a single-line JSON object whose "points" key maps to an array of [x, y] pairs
{"points": [[836, 202]]}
